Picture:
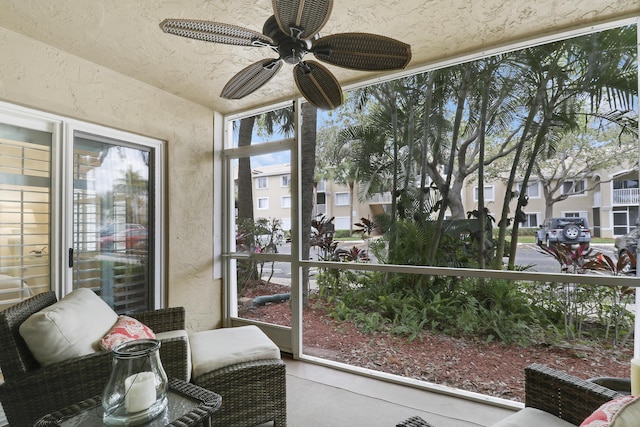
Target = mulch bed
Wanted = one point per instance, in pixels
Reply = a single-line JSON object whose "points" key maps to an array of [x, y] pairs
{"points": [[493, 369]]}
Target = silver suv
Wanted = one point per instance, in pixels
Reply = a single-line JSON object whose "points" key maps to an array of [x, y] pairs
{"points": [[567, 230]]}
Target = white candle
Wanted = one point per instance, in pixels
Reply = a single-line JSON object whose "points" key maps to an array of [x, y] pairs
{"points": [[635, 377], [140, 391]]}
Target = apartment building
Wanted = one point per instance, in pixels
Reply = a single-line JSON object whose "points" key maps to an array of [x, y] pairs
{"points": [[608, 198]]}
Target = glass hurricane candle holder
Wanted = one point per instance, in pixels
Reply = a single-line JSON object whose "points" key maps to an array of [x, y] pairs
{"points": [[137, 388]]}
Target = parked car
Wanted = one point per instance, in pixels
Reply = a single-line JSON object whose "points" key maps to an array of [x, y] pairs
{"points": [[110, 228], [627, 243], [131, 238], [567, 230]]}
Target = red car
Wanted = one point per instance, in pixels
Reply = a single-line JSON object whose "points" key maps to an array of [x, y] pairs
{"points": [[131, 238]]}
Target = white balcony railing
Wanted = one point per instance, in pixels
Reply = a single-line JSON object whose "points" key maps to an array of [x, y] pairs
{"points": [[626, 196], [380, 198]]}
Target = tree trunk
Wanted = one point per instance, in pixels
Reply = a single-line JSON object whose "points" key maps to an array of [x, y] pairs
{"points": [[245, 197], [540, 139], [425, 142], [308, 156], [503, 222], [394, 188], [444, 191], [245, 185], [482, 218], [351, 191]]}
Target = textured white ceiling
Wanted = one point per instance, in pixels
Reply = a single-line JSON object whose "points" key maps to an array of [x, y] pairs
{"points": [[125, 36]]}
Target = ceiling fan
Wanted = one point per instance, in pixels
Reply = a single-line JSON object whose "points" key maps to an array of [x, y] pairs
{"points": [[292, 32]]}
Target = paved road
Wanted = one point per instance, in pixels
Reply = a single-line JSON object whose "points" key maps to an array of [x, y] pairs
{"points": [[527, 255]]}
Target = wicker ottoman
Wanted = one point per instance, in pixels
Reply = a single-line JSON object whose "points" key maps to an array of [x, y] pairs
{"points": [[243, 366]]}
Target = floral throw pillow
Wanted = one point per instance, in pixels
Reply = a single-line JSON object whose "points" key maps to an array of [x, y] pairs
{"points": [[126, 329], [621, 412]]}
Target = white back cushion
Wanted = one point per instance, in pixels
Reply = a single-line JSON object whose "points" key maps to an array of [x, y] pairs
{"points": [[69, 328]]}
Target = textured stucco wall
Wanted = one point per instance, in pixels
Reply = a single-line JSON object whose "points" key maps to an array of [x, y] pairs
{"points": [[125, 36], [35, 75]]}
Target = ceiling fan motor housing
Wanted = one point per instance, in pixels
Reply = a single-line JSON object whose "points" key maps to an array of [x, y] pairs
{"points": [[290, 48]]}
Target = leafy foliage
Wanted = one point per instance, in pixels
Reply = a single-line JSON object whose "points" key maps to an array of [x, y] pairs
{"points": [[578, 303], [421, 138]]}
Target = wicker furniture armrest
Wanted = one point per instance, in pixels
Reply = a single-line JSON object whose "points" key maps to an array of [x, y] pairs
{"points": [[173, 352], [563, 395], [173, 355], [15, 357], [31, 395], [162, 320]]}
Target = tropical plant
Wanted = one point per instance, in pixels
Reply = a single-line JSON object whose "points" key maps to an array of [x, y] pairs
{"points": [[268, 236], [574, 296], [571, 259], [366, 227], [620, 296], [580, 301]]}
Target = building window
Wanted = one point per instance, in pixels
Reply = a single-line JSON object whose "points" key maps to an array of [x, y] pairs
{"points": [[263, 203], [624, 184], [285, 180], [321, 186], [489, 195], [573, 187], [286, 202], [531, 220], [342, 199], [532, 191], [573, 214], [342, 223], [262, 183]]}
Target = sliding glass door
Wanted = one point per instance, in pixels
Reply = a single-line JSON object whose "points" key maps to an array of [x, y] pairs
{"points": [[25, 204], [112, 221], [79, 208]]}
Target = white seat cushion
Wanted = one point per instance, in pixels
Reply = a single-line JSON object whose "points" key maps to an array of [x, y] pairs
{"points": [[532, 417], [212, 350], [69, 328]]}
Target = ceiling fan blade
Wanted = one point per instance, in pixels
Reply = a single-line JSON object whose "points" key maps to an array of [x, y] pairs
{"points": [[318, 85], [214, 32], [362, 51], [251, 78], [302, 19]]}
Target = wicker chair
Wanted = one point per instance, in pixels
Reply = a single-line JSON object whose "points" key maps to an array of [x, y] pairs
{"points": [[30, 391], [562, 395]]}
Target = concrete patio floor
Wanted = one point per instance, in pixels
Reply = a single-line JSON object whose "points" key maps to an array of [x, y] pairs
{"points": [[321, 396]]}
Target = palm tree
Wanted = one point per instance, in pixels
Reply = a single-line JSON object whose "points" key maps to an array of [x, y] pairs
{"points": [[584, 67], [245, 183], [308, 159]]}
